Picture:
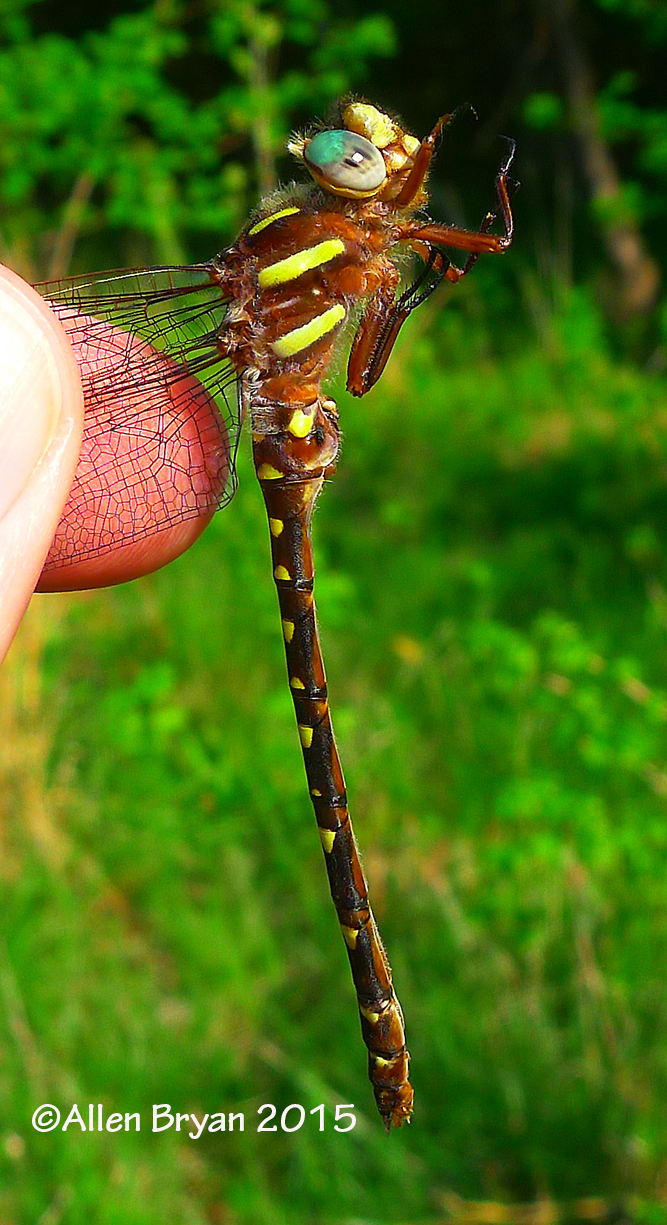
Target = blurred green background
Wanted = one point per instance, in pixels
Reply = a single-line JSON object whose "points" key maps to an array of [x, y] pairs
{"points": [[493, 602]]}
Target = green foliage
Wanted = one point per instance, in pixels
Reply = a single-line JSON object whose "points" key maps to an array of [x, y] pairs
{"points": [[624, 120], [97, 123], [543, 111], [628, 123], [650, 16], [491, 588]]}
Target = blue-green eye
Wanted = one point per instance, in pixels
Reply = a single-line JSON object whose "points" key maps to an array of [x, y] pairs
{"points": [[345, 162]]}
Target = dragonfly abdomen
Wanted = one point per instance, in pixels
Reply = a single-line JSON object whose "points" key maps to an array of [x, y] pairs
{"points": [[291, 465]]}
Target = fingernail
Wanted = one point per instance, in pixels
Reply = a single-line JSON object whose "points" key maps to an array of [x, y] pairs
{"points": [[30, 392]]}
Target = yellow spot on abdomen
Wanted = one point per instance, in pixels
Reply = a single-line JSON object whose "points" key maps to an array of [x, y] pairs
{"points": [[296, 683], [266, 472], [314, 791], [261, 225], [301, 423], [328, 837], [371, 1016], [276, 526], [305, 735], [288, 630], [302, 261], [282, 574], [300, 338], [351, 935]]}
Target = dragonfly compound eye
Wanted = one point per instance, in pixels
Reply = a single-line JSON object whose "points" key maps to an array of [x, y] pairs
{"points": [[345, 163]]}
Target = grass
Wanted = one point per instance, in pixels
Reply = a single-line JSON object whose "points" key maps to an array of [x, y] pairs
{"points": [[491, 589]]}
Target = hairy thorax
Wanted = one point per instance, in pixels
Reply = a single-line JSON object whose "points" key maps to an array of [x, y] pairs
{"points": [[295, 275]]}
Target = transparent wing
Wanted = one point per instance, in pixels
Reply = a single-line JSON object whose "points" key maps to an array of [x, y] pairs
{"points": [[162, 413]]}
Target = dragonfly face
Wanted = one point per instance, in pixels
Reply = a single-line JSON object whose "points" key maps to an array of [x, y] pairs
{"points": [[163, 353]]}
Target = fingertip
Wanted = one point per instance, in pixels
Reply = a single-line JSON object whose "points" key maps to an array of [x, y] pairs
{"points": [[128, 562], [41, 420]]}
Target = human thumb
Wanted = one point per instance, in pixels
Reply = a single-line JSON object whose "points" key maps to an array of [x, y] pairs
{"points": [[41, 417]]}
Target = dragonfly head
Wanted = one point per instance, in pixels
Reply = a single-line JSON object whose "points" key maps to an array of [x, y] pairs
{"points": [[369, 157]]}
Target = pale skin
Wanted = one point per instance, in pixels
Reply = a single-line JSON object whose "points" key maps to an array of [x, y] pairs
{"points": [[41, 416]]}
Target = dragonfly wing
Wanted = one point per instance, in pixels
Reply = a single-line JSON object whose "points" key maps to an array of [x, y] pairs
{"points": [[162, 413]]}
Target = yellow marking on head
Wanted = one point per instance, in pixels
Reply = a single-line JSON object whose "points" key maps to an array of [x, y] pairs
{"points": [[300, 338], [328, 837], [315, 792], [351, 935], [261, 225], [368, 121], [282, 573], [296, 683], [302, 261], [371, 1016], [266, 472], [395, 160], [301, 423], [305, 735], [276, 526], [288, 630]]}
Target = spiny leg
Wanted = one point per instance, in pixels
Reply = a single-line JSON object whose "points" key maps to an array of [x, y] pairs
{"points": [[386, 313], [476, 242], [291, 482], [385, 317]]}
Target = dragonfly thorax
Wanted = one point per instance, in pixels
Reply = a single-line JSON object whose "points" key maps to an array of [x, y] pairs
{"points": [[294, 276]]}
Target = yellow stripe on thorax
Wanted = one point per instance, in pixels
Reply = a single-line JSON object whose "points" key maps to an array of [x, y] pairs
{"points": [[261, 225], [303, 261], [300, 338]]}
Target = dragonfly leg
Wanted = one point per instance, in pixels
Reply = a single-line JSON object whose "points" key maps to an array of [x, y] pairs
{"points": [[387, 312], [370, 337], [291, 468], [475, 241], [385, 316]]}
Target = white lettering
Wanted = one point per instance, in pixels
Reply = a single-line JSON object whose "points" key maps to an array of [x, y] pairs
{"points": [[74, 1117], [199, 1125], [163, 1110], [114, 1122]]}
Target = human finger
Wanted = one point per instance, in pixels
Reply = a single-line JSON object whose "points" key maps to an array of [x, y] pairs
{"points": [[41, 414], [154, 462]]}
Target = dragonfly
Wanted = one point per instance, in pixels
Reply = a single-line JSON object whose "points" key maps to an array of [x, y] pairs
{"points": [[173, 359]]}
